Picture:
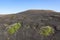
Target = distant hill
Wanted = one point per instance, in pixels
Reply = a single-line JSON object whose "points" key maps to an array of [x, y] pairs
{"points": [[35, 19]]}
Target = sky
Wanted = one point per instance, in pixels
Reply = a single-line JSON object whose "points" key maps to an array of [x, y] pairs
{"points": [[15, 6]]}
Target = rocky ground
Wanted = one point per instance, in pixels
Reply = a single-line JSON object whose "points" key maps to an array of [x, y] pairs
{"points": [[32, 21]]}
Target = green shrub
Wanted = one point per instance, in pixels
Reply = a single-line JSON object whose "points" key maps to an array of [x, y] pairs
{"points": [[14, 28], [46, 31]]}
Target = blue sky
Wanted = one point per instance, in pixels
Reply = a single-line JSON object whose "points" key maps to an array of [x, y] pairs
{"points": [[14, 6]]}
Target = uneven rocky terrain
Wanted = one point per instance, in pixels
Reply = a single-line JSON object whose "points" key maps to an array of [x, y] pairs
{"points": [[31, 21]]}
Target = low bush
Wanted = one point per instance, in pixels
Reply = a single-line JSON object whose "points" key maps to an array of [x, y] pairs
{"points": [[14, 28], [46, 31]]}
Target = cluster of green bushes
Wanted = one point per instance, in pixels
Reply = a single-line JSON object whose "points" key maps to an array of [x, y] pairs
{"points": [[45, 31]]}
